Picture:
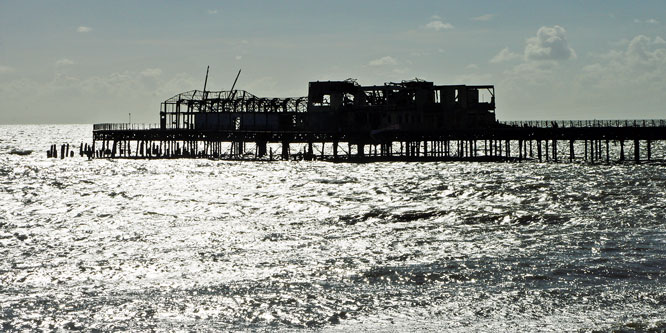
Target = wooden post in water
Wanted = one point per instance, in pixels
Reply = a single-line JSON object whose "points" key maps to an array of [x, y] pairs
{"points": [[607, 152], [585, 150], [572, 156], [555, 150], [285, 150], [637, 151], [335, 150]]}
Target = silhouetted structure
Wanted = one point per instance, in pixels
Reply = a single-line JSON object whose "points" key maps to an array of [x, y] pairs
{"points": [[342, 120]]}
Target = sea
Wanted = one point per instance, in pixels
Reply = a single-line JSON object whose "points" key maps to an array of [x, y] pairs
{"points": [[215, 245]]}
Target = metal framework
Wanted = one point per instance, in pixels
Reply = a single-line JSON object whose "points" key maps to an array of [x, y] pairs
{"points": [[178, 112]]}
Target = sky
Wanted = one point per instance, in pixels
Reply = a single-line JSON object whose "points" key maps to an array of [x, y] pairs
{"points": [[99, 61]]}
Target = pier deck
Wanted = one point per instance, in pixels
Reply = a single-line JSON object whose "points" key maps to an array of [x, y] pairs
{"points": [[556, 141]]}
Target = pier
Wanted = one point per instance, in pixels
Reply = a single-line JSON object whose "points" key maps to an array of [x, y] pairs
{"points": [[545, 141], [411, 120]]}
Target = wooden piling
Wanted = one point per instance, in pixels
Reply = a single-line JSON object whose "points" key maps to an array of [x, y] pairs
{"points": [[637, 151]]}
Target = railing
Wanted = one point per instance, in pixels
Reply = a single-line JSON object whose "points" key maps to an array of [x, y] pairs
{"points": [[586, 123], [124, 126], [525, 123]]}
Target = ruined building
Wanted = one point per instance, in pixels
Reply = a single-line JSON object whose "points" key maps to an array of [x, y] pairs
{"points": [[336, 107]]}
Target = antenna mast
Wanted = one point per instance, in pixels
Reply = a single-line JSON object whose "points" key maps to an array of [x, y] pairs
{"points": [[206, 80], [234, 85]]}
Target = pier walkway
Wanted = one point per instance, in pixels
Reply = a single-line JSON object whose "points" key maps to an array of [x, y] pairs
{"points": [[557, 141]]}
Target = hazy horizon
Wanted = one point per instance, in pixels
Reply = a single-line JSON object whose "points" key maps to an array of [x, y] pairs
{"points": [[80, 62]]}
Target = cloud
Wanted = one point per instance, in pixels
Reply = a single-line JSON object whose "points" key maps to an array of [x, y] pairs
{"points": [[64, 62], [438, 25], [6, 69], [400, 71], [472, 67], [239, 57], [486, 17], [212, 11], [387, 60], [550, 43], [629, 78], [435, 17], [648, 21], [151, 72], [505, 55], [84, 29], [643, 60]]}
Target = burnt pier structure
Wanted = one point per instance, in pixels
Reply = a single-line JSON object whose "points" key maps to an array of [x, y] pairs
{"points": [[344, 121]]}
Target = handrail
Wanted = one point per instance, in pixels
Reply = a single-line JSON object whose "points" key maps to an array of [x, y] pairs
{"points": [[521, 123], [124, 126], [586, 123]]}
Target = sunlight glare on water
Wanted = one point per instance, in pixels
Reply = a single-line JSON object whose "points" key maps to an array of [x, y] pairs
{"points": [[197, 244]]}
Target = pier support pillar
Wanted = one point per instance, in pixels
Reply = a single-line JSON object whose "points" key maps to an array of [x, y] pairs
{"points": [[285, 150], [637, 151], [261, 148], [607, 152], [572, 155], [310, 152], [649, 149], [361, 150], [555, 150], [622, 150], [585, 150], [335, 150]]}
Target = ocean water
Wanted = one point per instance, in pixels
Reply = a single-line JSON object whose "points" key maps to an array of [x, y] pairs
{"points": [[198, 244]]}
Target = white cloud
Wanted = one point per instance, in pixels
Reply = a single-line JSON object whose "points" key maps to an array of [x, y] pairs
{"points": [[64, 62], [151, 72], [435, 17], [629, 79], [622, 42], [648, 21], [472, 67], [505, 55], [387, 60], [400, 71], [641, 52], [550, 43], [486, 17], [238, 57], [438, 25], [212, 11], [84, 29], [6, 69], [642, 61]]}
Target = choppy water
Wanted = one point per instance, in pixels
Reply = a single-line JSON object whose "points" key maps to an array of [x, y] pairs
{"points": [[216, 245]]}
